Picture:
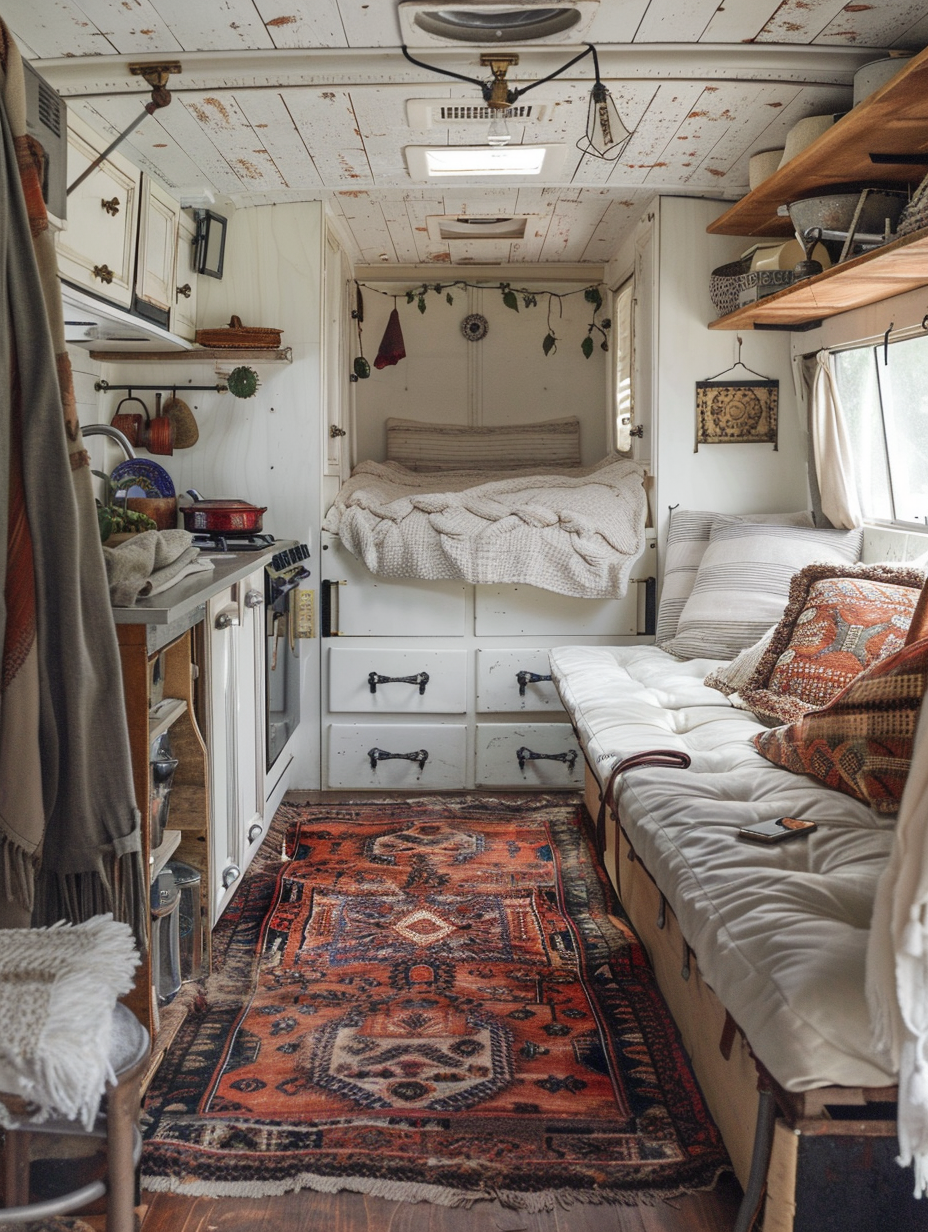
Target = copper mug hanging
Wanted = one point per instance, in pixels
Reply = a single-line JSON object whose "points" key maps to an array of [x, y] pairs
{"points": [[130, 424], [158, 433]]}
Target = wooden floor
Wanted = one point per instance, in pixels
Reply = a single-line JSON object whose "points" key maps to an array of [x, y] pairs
{"points": [[344, 1212]]}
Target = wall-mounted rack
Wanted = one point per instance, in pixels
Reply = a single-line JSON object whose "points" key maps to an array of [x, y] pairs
{"points": [[105, 387]]}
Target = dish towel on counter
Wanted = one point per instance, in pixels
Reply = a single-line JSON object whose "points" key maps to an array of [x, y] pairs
{"points": [[897, 962], [149, 563], [70, 846], [58, 988]]}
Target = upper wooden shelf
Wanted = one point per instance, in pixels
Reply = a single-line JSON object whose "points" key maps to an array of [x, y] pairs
{"points": [[891, 269], [893, 120], [282, 355]]}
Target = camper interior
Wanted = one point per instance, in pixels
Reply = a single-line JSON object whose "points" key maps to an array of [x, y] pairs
{"points": [[484, 321]]}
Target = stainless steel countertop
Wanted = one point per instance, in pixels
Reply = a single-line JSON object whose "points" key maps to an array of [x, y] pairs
{"points": [[190, 593]]}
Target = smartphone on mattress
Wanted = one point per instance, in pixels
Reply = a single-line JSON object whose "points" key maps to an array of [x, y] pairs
{"points": [[780, 830]]}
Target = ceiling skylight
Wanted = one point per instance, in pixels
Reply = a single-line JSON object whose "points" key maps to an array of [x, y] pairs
{"points": [[486, 22], [440, 162]]}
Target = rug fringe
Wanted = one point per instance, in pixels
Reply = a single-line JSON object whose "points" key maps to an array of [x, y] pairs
{"points": [[410, 1191]]}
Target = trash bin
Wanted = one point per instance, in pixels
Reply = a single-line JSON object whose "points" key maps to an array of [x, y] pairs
{"points": [[190, 921], [165, 941]]}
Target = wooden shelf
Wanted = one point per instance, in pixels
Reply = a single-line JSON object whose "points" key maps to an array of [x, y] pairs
{"points": [[893, 120], [282, 355], [163, 715], [899, 266]]}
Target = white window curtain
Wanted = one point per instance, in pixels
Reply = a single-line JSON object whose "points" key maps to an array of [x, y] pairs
{"points": [[831, 449]]}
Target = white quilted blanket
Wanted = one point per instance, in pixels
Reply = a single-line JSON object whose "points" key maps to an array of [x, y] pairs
{"points": [[576, 532]]}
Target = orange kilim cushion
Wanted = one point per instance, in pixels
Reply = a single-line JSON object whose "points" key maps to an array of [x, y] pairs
{"points": [[839, 620], [861, 743]]}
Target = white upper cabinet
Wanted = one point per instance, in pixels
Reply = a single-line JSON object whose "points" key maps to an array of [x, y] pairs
{"points": [[156, 271], [184, 308], [97, 248]]}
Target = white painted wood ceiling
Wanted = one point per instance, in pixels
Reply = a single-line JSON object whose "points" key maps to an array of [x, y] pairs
{"points": [[274, 126]]}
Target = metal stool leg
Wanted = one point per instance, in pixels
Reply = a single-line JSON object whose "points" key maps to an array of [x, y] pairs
{"points": [[122, 1115], [16, 1166], [760, 1160]]}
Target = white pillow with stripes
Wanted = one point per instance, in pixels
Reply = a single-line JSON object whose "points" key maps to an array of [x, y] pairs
{"points": [[742, 585], [427, 447], [687, 540]]}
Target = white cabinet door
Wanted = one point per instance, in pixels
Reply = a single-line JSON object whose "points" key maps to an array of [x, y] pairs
{"points": [[97, 248], [184, 308], [510, 680], [363, 605], [529, 755], [234, 690], [158, 217], [359, 755], [381, 681]]}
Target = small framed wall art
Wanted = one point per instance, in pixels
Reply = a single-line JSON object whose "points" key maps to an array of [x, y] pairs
{"points": [[737, 412]]}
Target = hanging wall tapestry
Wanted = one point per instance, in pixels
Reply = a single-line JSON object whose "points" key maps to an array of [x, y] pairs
{"points": [[736, 411]]}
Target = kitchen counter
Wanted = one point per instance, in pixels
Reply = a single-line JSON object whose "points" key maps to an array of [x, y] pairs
{"points": [[183, 605]]}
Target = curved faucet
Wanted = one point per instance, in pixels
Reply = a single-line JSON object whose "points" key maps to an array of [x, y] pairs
{"points": [[113, 433]]}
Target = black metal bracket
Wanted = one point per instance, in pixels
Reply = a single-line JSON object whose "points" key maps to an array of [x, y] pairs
{"points": [[420, 678], [569, 757], [419, 756], [525, 678], [799, 327]]}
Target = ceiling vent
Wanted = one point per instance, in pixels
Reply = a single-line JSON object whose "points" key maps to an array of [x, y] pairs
{"points": [[475, 227], [441, 112], [425, 23]]}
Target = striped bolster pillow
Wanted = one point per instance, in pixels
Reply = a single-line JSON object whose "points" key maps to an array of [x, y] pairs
{"points": [[456, 447]]}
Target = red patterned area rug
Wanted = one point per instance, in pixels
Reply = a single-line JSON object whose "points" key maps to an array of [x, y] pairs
{"points": [[430, 1000]]}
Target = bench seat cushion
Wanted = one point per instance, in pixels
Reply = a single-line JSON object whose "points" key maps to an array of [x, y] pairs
{"points": [[779, 932]]}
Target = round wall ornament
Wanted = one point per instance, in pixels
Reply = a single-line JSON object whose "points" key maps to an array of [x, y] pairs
{"points": [[474, 327]]}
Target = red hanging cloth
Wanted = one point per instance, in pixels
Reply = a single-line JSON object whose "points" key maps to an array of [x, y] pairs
{"points": [[392, 348]]}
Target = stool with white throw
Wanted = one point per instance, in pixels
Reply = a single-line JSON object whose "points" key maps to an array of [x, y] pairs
{"points": [[64, 1044]]}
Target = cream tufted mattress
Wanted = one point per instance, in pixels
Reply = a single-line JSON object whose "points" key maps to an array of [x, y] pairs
{"points": [[780, 933]]}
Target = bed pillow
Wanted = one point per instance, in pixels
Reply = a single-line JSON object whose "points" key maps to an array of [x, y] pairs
{"points": [[839, 620], [687, 540], [919, 626], [457, 447], [861, 742], [742, 584]]}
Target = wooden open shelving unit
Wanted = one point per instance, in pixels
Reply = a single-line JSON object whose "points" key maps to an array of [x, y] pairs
{"points": [[893, 120], [899, 266]]}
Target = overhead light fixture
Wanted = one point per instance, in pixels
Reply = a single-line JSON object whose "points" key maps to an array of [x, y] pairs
{"points": [[605, 136], [476, 161]]}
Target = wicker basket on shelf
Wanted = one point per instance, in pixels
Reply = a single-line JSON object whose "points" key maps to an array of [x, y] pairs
{"points": [[725, 285], [235, 334]]}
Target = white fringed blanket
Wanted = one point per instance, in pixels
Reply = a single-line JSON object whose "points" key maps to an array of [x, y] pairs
{"points": [[576, 532], [58, 988]]}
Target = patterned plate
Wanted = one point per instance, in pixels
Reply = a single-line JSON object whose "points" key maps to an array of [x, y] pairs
{"points": [[145, 474]]}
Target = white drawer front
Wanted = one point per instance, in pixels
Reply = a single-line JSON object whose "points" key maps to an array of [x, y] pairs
{"points": [[504, 681], [355, 680], [350, 763], [498, 763]]}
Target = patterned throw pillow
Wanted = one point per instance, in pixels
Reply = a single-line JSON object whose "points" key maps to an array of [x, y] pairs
{"points": [[861, 742], [732, 677], [839, 620], [743, 582], [687, 540]]}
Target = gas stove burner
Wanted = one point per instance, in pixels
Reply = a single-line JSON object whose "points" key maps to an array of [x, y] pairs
{"points": [[232, 543]]}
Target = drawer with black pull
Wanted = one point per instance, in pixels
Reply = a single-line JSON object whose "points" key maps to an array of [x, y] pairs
{"points": [[410, 681], [510, 680], [397, 756], [529, 755]]}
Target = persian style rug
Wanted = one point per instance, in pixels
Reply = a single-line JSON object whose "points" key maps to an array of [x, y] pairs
{"points": [[430, 1000]]}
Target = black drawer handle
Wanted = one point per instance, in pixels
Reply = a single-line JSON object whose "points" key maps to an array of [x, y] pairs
{"points": [[525, 678], [524, 755], [420, 678], [420, 756]]}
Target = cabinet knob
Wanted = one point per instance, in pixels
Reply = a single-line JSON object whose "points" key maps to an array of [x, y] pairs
{"points": [[230, 874], [255, 831], [111, 206], [104, 273], [335, 431], [253, 598], [186, 291], [225, 620]]}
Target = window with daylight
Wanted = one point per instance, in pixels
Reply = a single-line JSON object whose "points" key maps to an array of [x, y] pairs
{"points": [[885, 406], [623, 334]]}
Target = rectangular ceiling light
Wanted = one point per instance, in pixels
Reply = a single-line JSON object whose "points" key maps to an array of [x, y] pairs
{"points": [[442, 162]]}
